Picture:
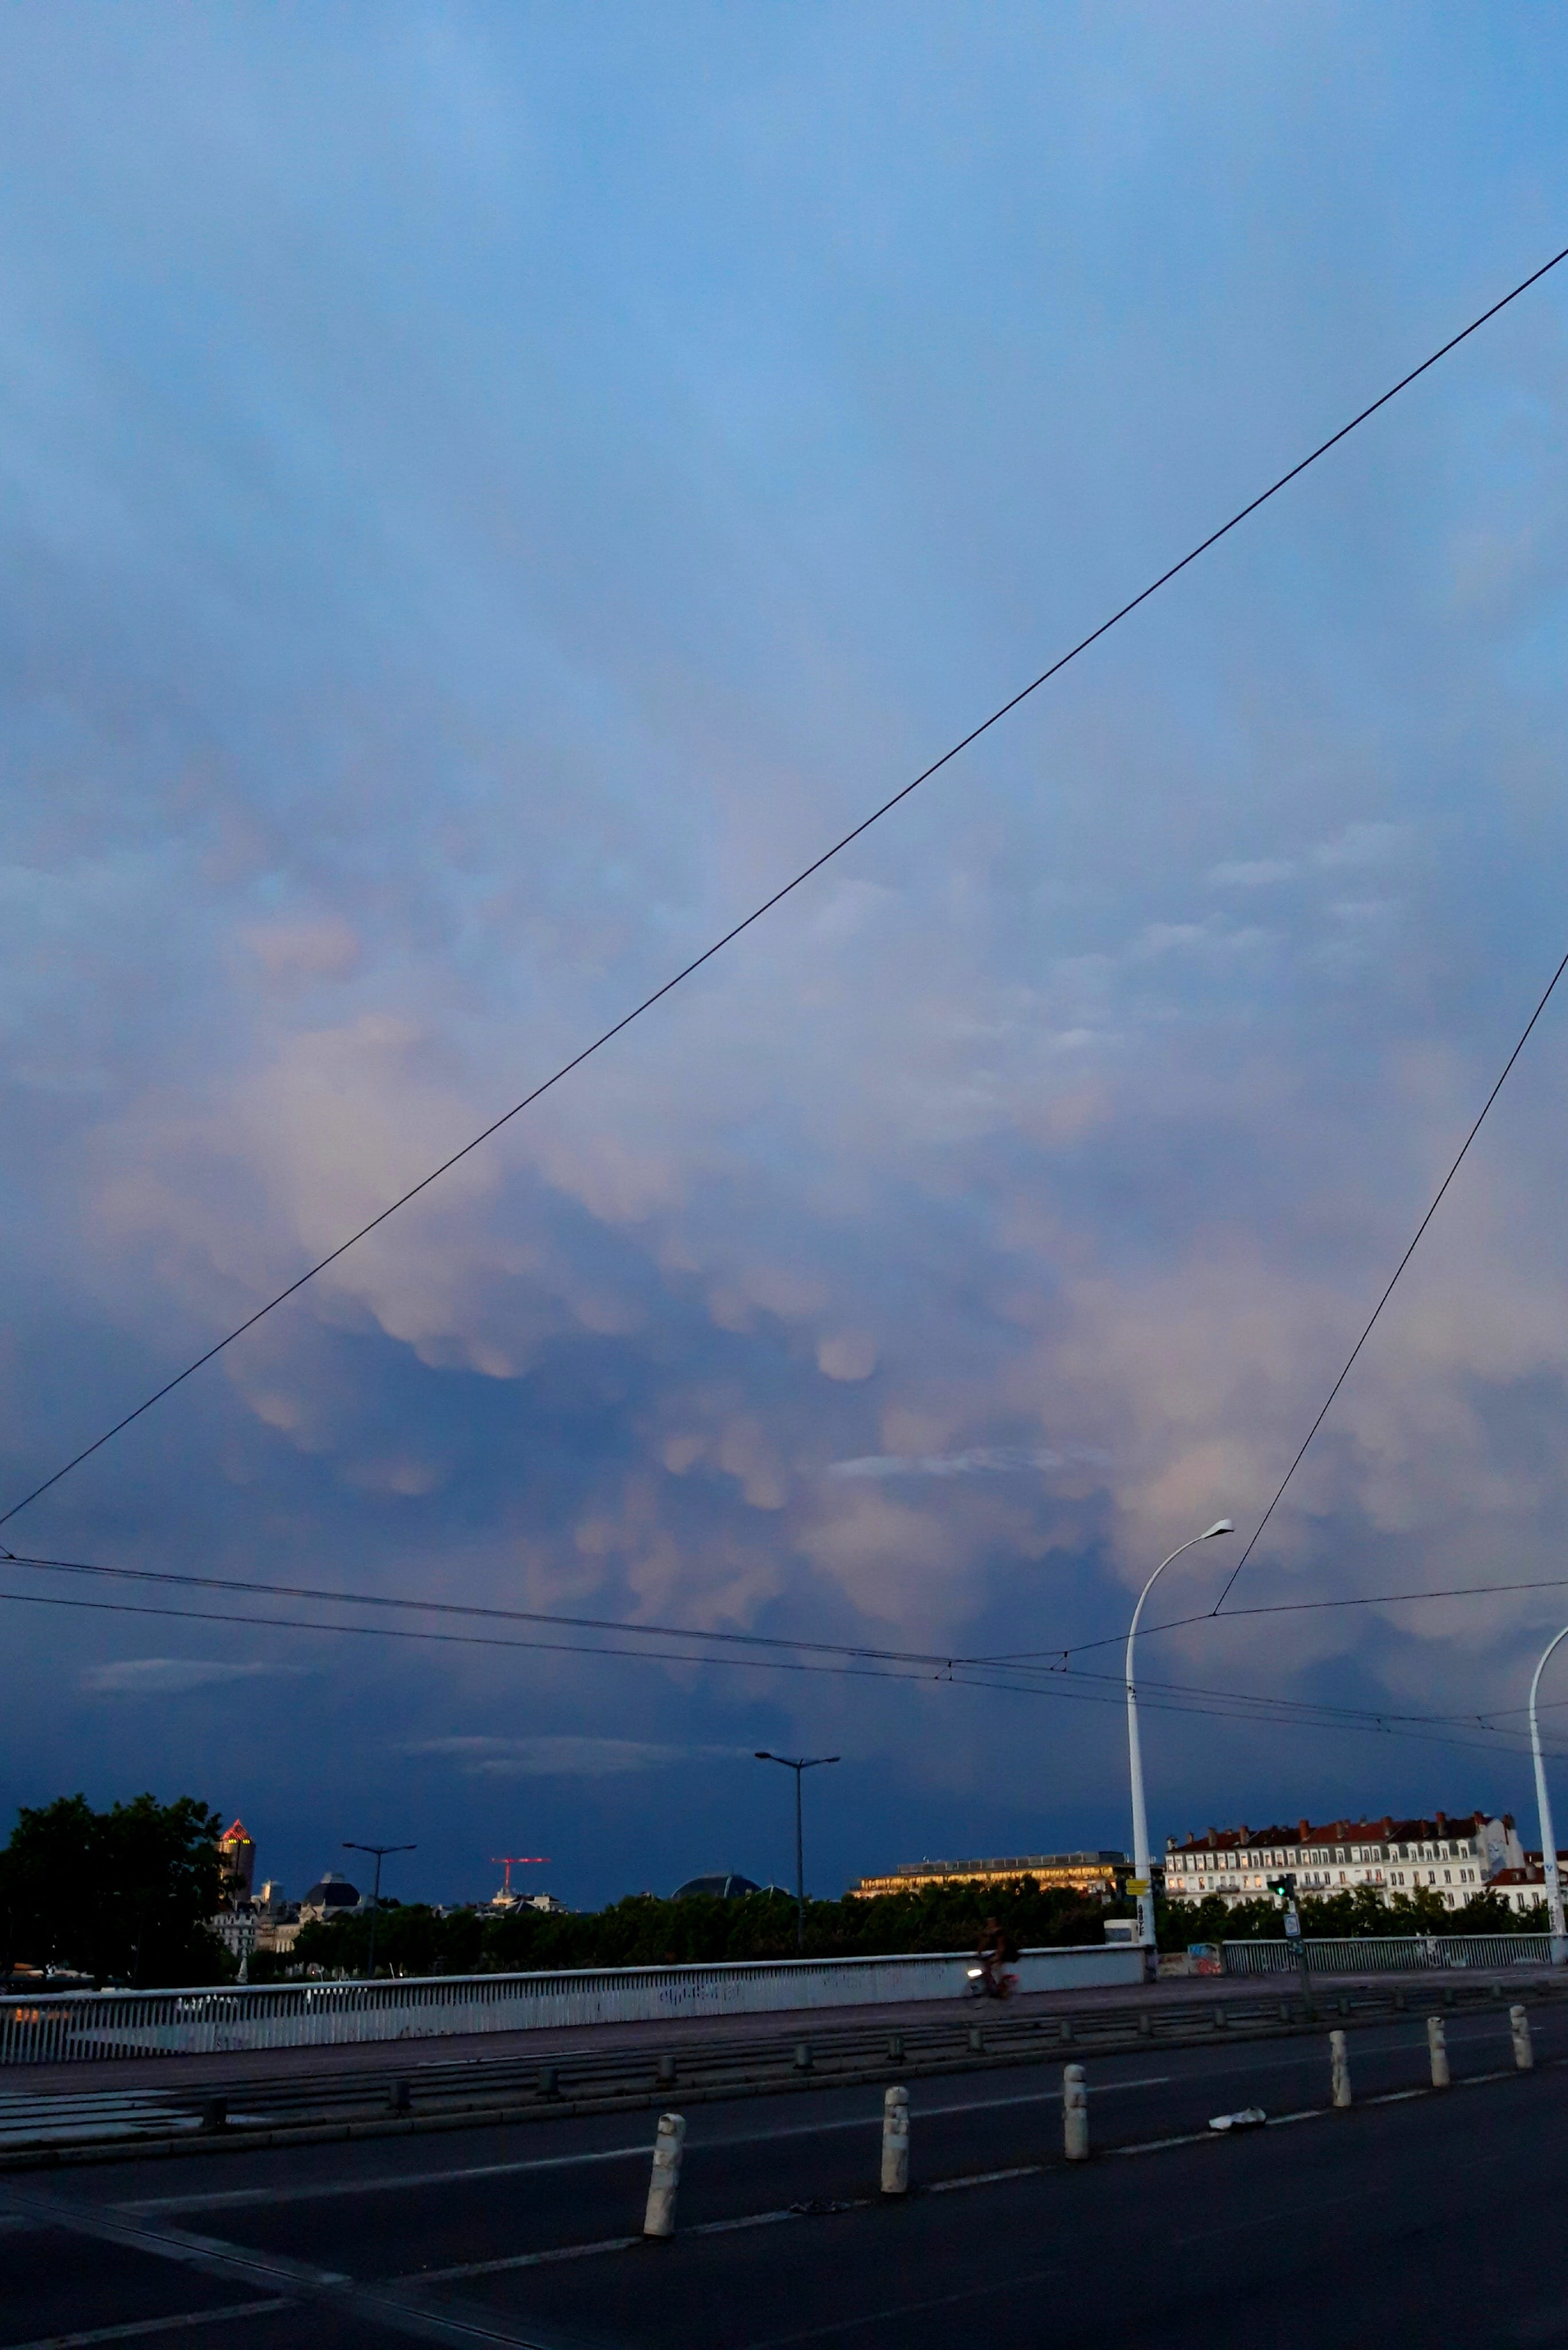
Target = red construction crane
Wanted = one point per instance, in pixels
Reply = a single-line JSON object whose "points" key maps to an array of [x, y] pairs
{"points": [[511, 1860]]}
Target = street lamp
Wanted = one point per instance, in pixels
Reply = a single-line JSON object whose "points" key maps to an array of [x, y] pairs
{"points": [[380, 1851], [1135, 1756], [798, 1765], [1548, 1834]]}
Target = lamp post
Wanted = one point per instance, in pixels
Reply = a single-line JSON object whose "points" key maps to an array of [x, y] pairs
{"points": [[799, 1764], [1548, 1832], [380, 1851], [1134, 1755]]}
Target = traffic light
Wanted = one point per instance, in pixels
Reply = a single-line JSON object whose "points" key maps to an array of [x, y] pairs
{"points": [[1283, 1889]]}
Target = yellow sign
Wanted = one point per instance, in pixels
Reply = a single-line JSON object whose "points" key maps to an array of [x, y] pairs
{"points": [[1137, 1885]]}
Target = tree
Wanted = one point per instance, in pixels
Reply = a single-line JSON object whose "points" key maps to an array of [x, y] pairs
{"points": [[700, 1929], [1353, 1915], [123, 1895]]}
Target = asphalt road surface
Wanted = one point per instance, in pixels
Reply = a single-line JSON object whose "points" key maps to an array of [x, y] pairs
{"points": [[1436, 2218]]}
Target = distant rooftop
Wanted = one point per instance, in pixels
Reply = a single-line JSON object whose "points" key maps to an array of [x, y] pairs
{"points": [[1022, 1864]]}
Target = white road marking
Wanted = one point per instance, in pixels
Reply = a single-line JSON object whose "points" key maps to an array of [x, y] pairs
{"points": [[984, 2179], [239, 2197], [224, 2316]]}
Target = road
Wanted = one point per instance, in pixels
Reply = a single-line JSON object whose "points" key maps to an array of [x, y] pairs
{"points": [[1429, 2219]]}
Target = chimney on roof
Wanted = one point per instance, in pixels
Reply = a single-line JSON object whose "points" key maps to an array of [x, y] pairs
{"points": [[1386, 1826], [1246, 1833], [1213, 1838], [1442, 1820], [1303, 1830]]}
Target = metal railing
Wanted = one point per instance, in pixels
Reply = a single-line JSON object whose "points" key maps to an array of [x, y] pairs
{"points": [[86, 2026], [1388, 1953]]}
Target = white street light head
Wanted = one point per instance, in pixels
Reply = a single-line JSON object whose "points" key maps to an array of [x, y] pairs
{"points": [[1220, 1526]]}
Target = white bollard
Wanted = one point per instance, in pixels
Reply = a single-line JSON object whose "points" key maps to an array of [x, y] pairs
{"points": [[1075, 2113], [1524, 2046], [896, 2142], [660, 2217], [1339, 2069], [1438, 2047]]}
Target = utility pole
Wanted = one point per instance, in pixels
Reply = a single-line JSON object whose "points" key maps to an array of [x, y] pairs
{"points": [[380, 1851], [799, 1764]]}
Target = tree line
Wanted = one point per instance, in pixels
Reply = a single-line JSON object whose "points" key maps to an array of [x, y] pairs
{"points": [[414, 1939], [643, 1932], [126, 1897]]}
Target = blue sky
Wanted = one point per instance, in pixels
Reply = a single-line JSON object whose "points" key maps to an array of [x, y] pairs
{"points": [[488, 492]]}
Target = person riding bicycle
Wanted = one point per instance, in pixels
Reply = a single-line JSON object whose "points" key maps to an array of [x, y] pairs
{"points": [[995, 1953]]}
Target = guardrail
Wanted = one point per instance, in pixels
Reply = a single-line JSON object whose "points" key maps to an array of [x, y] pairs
{"points": [[87, 2027], [1388, 1953]]}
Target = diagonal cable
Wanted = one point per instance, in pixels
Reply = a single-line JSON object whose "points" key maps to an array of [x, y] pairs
{"points": [[805, 874], [1350, 1359]]}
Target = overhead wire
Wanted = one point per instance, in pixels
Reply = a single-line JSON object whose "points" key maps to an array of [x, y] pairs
{"points": [[1387, 1293], [1293, 1607], [466, 1608], [1160, 1704], [1168, 1698], [1040, 1664], [1037, 1660], [1002, 711]]}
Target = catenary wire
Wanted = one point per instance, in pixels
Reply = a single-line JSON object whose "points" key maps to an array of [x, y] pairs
{"points": [[256, 1588], [1410, 1253], [1033, 1661], [1377, 1726], [1279, 1607], [461, 1607], [805, 874]]}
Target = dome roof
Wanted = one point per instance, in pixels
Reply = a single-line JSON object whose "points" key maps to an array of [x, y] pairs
{"points": [[720, 1888], [333, 1892]]}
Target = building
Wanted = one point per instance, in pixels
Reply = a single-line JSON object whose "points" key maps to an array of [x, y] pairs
{"points": [[1525, 1887], [1454, 1855], [237, 1853], [728, 1887], [1102, 1874], [331, 1897], [236, 1929], [277, 1920], [506, 1904]]}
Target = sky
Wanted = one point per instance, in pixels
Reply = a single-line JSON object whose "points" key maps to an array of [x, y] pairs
{"points": [[487, 494]]}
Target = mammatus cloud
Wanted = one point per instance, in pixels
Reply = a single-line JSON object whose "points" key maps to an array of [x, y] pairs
{"points": [[980, 1460], [172, 1676]]}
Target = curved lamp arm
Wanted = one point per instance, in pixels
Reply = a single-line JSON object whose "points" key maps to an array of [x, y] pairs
{"points": [[1135, 1754], [1220, 1527]]}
